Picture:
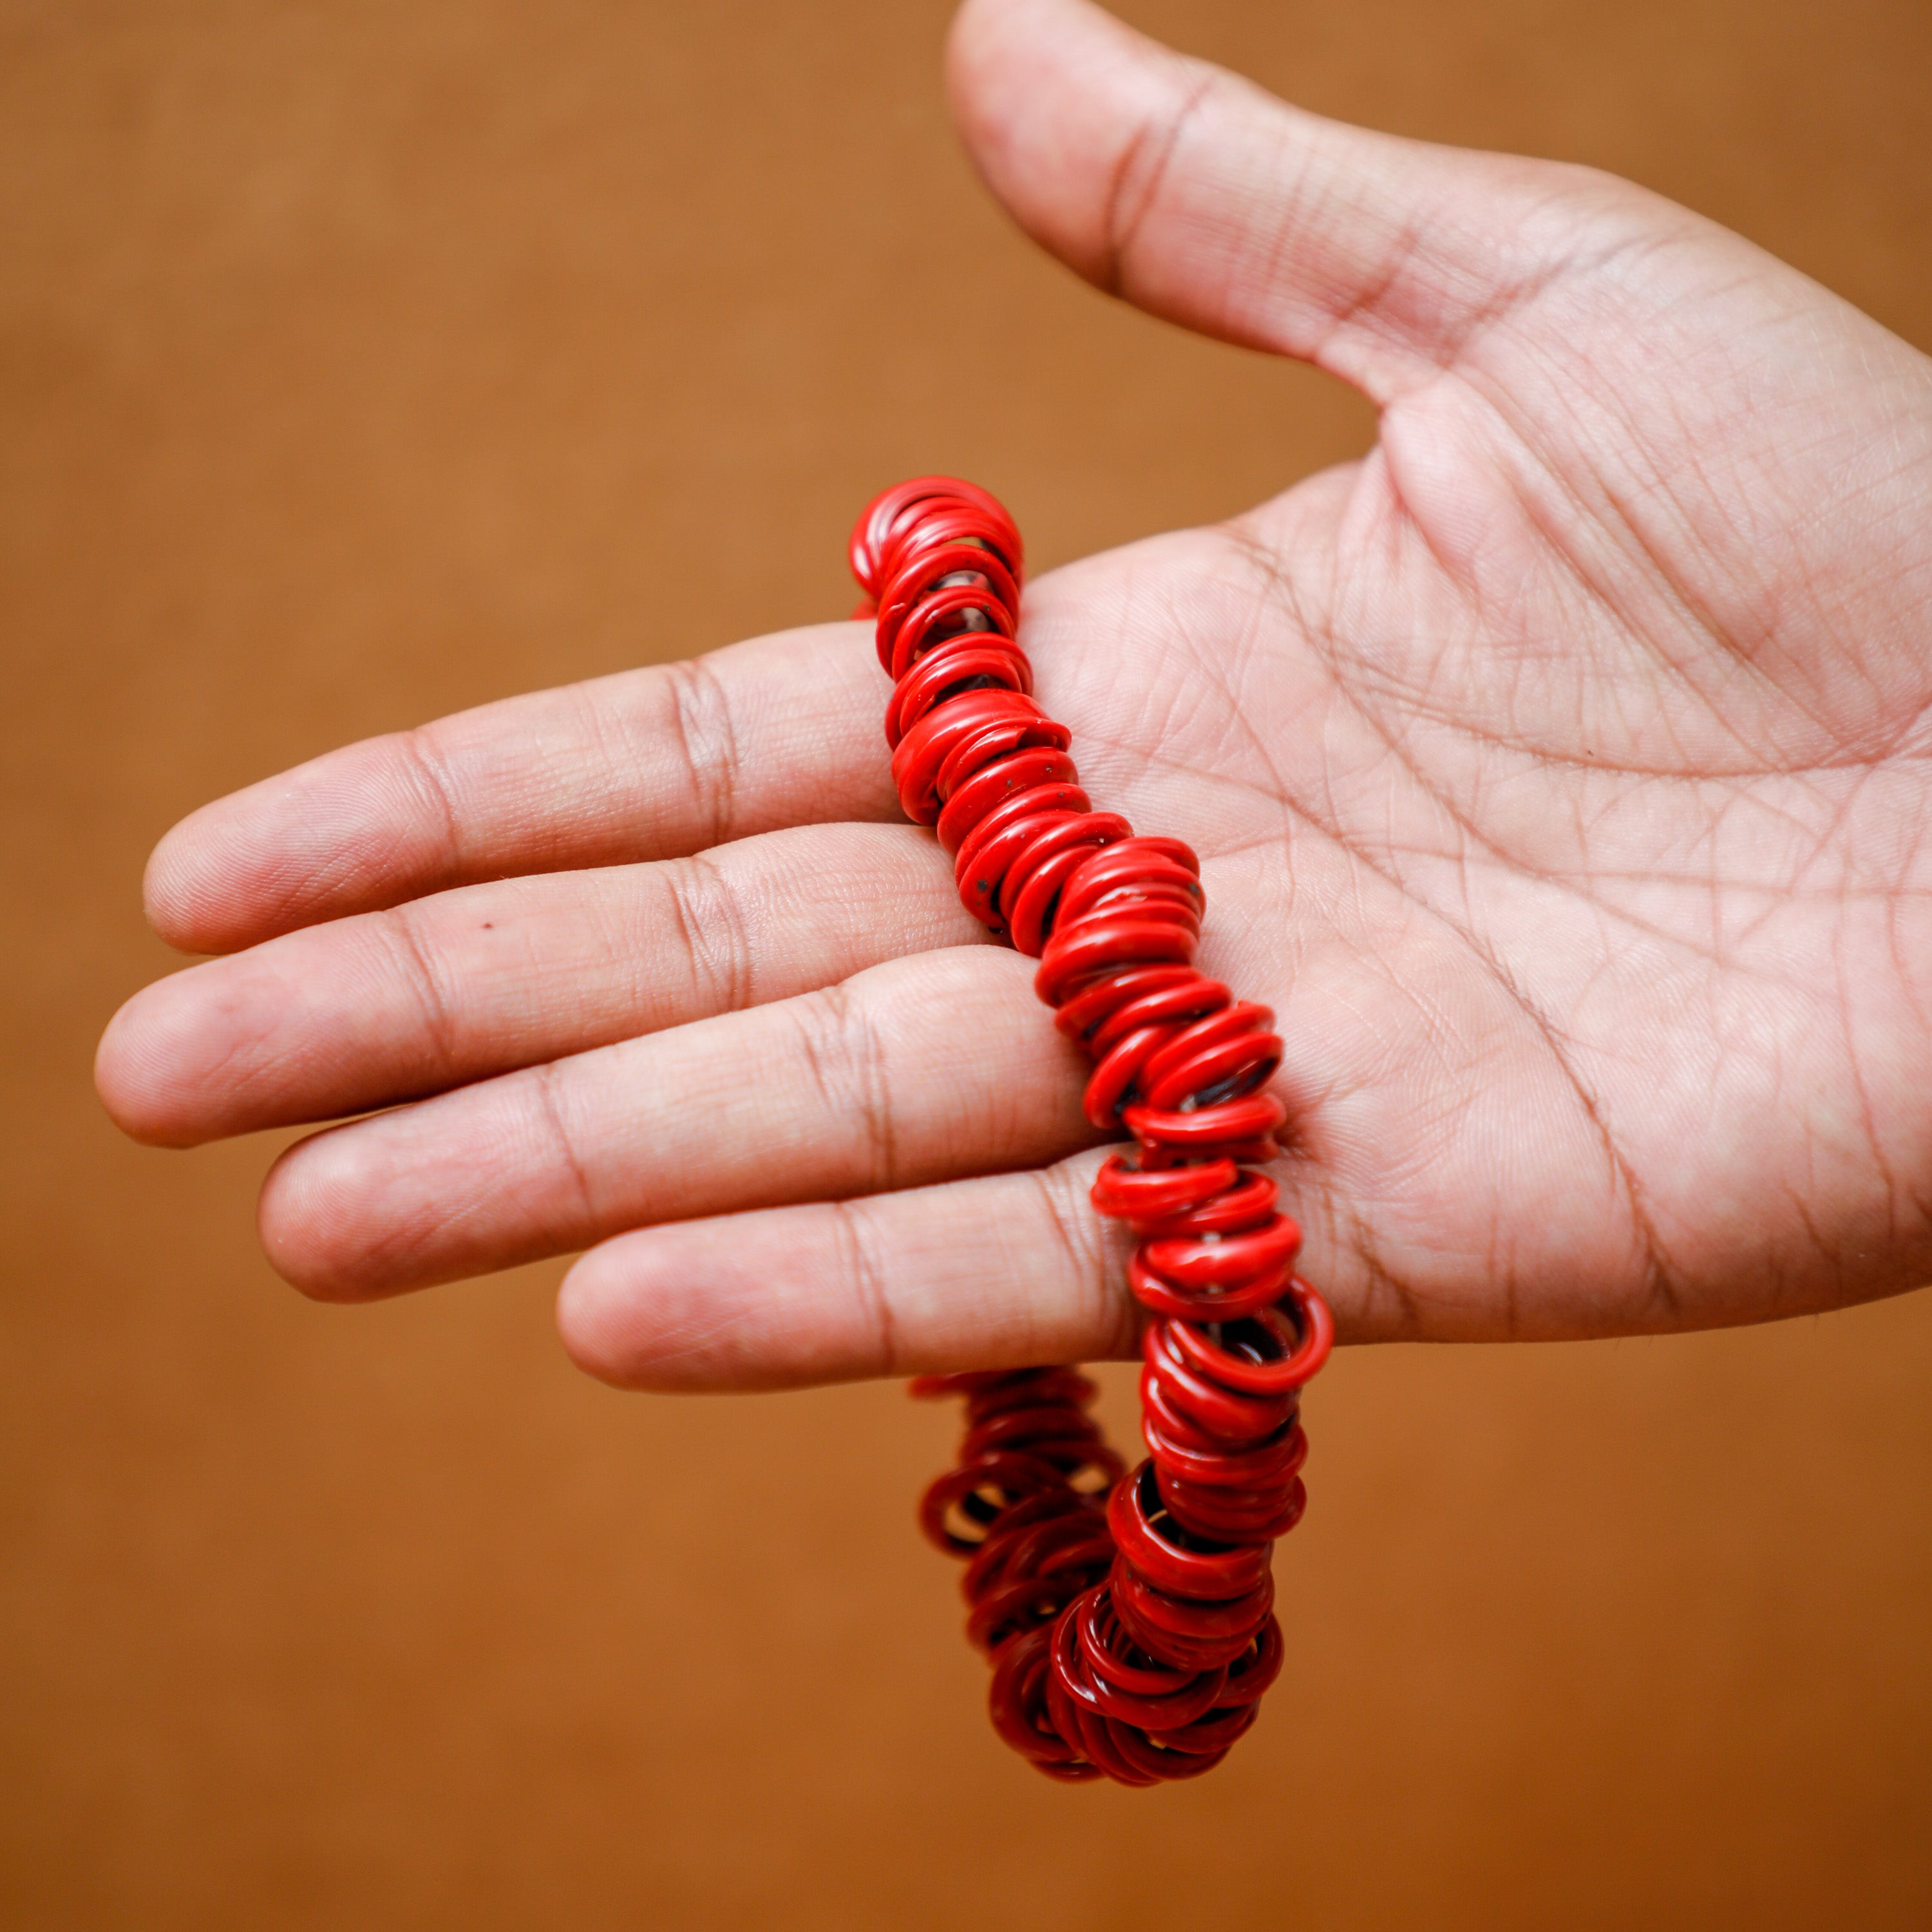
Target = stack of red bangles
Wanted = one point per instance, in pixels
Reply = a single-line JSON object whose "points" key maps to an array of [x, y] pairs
{"points": [[1128, 1617]]}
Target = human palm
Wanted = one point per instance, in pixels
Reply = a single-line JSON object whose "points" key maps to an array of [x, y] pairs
{"points": [[1559, 773]]}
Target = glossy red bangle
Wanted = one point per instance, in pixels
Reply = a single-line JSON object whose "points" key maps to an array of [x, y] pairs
{"points": [[1128, 1616]]}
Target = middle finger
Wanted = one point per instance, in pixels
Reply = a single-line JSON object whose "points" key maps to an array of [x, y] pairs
{"points": [[383, 1006]]}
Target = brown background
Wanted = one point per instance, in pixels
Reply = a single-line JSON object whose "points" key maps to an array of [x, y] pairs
{"points": [[361, 361]]}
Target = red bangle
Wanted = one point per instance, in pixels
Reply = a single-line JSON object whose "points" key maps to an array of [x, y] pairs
{"points": [[1128, 1616]]}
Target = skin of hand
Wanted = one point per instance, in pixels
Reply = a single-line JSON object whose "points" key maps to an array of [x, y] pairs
{"points": [[1559, 773]]}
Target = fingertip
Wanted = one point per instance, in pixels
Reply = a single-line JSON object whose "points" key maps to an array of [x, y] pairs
{"points": [[1049, 95], [591, 1320], [128, 1079], [169, 897], [214, 883], [314, 1203], [665, 1309], [196, 1056], [692, 1306], [282, 1226]]}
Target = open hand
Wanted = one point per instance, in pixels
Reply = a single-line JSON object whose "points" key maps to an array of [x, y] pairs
{"points": [[1559, 771]]}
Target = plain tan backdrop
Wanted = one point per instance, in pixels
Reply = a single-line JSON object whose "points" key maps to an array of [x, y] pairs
{"points": [[360, 361]]}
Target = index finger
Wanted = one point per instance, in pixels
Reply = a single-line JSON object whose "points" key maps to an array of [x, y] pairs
{"points": [[648, 764]]}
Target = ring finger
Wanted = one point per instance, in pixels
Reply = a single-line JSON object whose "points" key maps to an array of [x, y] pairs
{"points": [[921, 1070]]}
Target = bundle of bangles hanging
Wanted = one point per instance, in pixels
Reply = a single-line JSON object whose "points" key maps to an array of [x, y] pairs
{"points": [[1128, 1617]]}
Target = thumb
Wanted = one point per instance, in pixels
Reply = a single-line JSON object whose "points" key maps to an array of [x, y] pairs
{"points": [[1197, 197]]}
